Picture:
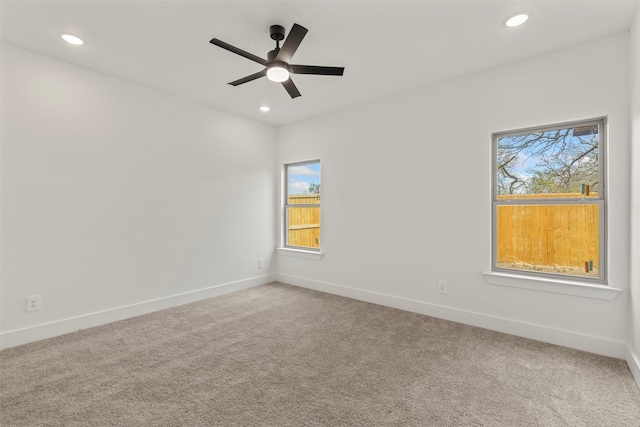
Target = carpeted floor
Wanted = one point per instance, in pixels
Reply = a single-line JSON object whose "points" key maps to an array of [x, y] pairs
{"points": [[278, 355]]}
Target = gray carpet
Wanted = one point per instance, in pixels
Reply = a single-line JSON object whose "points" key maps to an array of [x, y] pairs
{"points": [[277, 355]]}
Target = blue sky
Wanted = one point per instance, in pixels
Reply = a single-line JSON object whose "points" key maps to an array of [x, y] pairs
{"points": [[301, 176]]}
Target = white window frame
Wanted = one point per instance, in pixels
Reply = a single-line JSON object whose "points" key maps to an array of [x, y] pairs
{"points": [[601, 201], [285, 222]]}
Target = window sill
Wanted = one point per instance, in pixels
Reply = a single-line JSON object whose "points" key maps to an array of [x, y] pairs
{"points": [[555, 286], [300, 253]]}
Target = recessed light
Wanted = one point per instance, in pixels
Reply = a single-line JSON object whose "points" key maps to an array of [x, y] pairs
{"points": [[516, 20], [71, 39], [264, 108]]}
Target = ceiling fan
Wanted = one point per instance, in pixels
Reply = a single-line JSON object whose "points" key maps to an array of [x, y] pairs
{"points": [[277, 66]]}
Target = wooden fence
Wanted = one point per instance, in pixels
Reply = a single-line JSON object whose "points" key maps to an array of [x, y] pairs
{"points": [[304, 222], [548, 235], [543, 235]]}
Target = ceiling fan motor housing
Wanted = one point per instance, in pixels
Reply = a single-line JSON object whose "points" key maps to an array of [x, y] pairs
{"points": [[271, 56]]}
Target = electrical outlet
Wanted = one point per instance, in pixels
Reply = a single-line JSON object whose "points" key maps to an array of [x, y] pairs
{"points": [[260, 263], [442, 286], [34, 303]]}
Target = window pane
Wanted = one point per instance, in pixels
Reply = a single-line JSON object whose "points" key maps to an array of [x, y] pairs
{"points": [[557, 163], [304, 227], [303, 179], [303, 205], [559, 239]]}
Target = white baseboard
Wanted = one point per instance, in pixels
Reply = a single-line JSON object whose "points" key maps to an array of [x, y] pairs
{"points": [[634, 364], [560, 337], [65, 326]]}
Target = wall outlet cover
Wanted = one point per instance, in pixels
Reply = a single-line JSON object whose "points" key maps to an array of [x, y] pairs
{"points": [[34, 303]]}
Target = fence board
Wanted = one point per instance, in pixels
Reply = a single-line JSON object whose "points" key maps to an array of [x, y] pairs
{"points": [[304, 199], [543, 250]]}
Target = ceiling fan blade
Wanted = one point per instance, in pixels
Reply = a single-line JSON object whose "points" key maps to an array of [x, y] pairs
{"points": [[238, 51], [291, 44], [249, 78], [291, 88], [315, 69]]}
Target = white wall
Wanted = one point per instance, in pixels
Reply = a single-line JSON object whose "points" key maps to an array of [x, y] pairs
{"points": [[406, 194], [118, 200], [633, 357]]}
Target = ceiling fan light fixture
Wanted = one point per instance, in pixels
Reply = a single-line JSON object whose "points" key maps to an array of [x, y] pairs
{"points": [[277, 73], [516, 20]]}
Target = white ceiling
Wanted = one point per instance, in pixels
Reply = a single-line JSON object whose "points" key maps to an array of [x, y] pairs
{"points": [[387, 47]]}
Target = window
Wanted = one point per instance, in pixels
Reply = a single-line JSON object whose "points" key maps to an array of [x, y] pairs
{"points": [[549, 201], [302, 206]]}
